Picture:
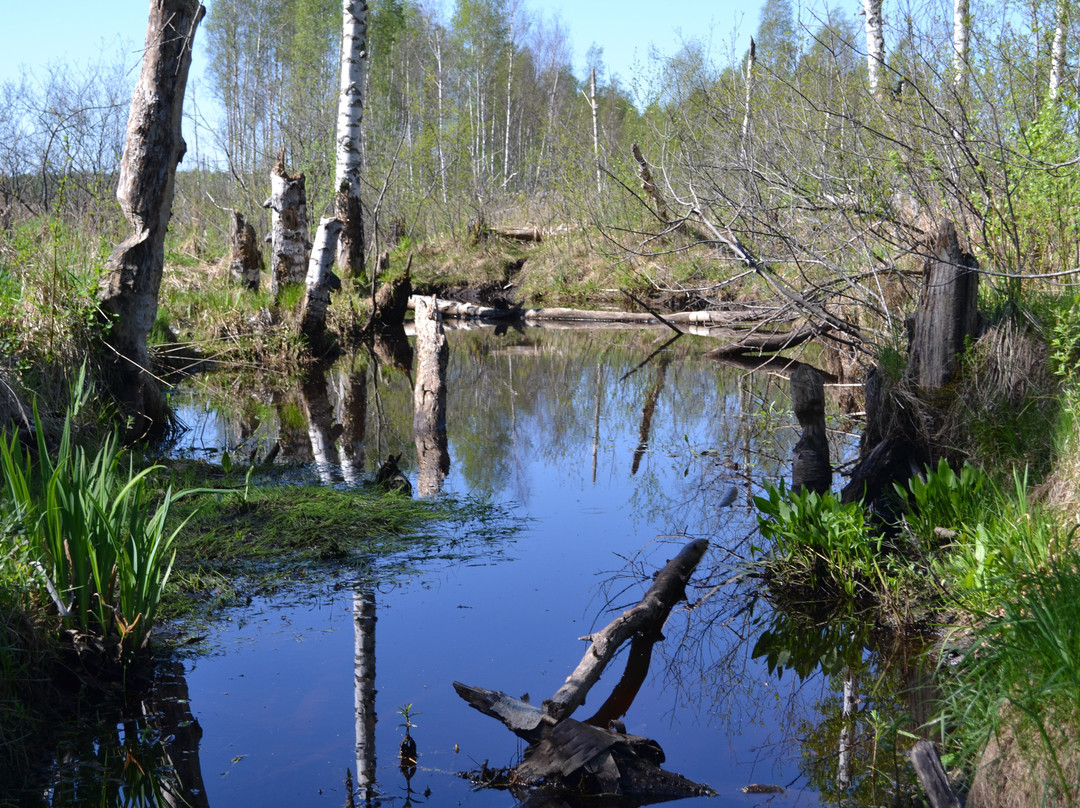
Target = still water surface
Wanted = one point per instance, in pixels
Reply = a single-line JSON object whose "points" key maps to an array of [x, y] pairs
{"points": [[614, 467]]}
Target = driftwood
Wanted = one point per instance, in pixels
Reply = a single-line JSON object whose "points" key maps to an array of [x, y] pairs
{"points": [[768, 341], [571, 753], [932, 777], [712, 317], [245, 258], [810, 467]]}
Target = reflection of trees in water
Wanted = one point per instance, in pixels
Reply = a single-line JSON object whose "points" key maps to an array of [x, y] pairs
{"points": [[144, 753]]}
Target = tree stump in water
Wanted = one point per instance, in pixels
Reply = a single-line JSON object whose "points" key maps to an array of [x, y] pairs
{"points": [[810, 467], [245, 258], [900, 418], [429, 398]]}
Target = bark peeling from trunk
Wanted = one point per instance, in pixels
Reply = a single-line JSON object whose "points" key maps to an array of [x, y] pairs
{"points": [[154, 146]]}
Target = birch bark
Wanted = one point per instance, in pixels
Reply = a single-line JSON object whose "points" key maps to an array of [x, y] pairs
{"points": [[1057, 49], [349, 136], [875, 45], [961, 40]]}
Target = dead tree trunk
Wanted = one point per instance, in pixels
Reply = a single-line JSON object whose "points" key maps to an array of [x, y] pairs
{"points": [[429, 398], [947, 315], [153, 148], [245, 258], [901, 418], [290, 246], [648, 185], [810, 467], [321, 282]]}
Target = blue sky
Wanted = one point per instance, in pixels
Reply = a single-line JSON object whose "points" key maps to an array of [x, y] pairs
{"points": [[77, 30]]}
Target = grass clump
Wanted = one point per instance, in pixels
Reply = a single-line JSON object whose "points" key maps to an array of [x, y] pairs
{"points": [[94, 540]]}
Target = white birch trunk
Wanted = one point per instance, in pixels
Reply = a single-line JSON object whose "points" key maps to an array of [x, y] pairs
{"points": [[509, 90], [1057, 49], [875, 45], [961, 40], [348, 152], [321, 281], [439, 86], [595, 129], [750, 59]]}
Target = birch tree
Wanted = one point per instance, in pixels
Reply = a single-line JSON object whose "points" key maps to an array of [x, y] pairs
{"points": [[349, 132], [961, 40], [1057, 49], [875, 44]]}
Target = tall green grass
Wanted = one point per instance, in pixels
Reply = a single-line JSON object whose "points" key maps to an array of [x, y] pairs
{"points": [[94, 530]]}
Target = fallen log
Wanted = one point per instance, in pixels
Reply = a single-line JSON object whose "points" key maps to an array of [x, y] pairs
{"points": [[768, 341], [569, 755]]}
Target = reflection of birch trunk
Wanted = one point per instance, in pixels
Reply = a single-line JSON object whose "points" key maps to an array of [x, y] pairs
{"points": [[364, 689], [181, 732], [353, 398], [429, 398], [847, 731], [596, 418], [320, 417], [647, 411]]}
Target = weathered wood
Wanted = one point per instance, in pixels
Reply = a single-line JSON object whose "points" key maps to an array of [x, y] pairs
{"points": [[648, 185], [288, 227], [768, 341], [429, 398], [534, 234], [810, 467], [649, 615], [520, 717], [932, 777], [245, 257], [947, 316], [321, 282], [153, 147]]}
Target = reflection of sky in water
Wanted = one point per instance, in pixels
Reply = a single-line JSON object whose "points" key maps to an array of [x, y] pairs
{"points": [[278, 699]]}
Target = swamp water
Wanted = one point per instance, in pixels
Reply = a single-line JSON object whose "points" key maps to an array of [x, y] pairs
{"points": [[609, 466]]}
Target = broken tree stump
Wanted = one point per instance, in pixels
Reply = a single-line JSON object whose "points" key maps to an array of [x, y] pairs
{"points": [[810, 466], [290, 246], [580, 756], [245, 257], [321, 282]]}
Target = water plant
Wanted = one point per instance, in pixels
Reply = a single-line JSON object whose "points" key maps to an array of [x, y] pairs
{"points": [[822, 549], [95, 532]]}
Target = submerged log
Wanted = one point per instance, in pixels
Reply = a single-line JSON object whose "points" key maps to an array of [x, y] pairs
{"points": [[810, 466], [582, 756]]}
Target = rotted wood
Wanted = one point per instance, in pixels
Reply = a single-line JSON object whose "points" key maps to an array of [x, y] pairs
{"points": [[810, 467], [595, 756], [932, 777], [768, 341], [245, 258], [649, 615], [947, 316]]}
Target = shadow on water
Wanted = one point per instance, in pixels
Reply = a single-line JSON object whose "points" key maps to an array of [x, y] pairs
{"points": [[615, 464]]}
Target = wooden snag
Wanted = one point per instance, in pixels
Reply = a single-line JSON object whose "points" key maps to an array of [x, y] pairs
{"points": [[429, 398], [810, 467], [245, 257], [579, 756], [154, 146], [932, 777], [289, 241]]}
